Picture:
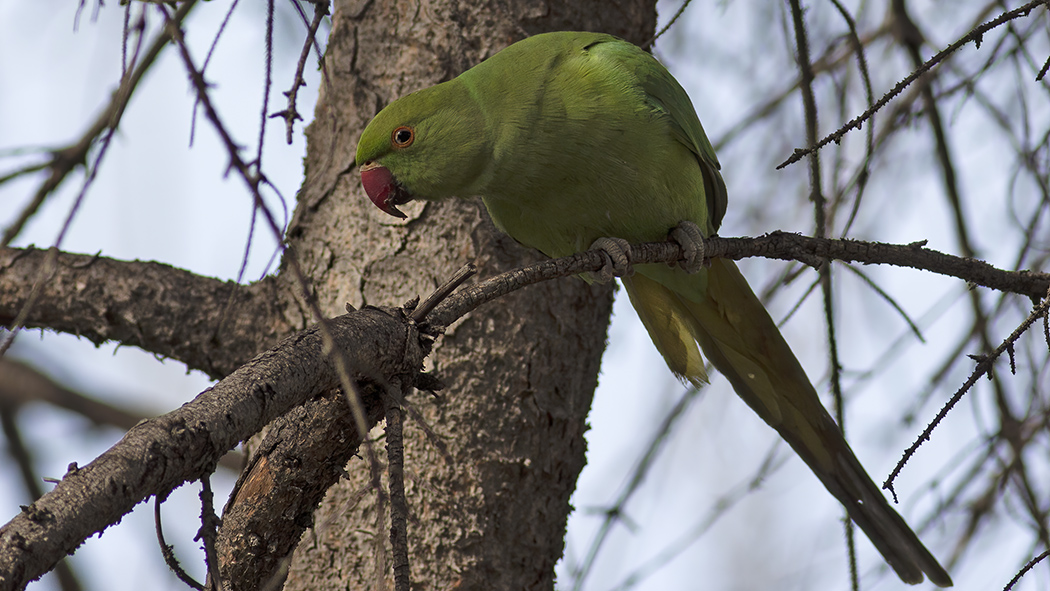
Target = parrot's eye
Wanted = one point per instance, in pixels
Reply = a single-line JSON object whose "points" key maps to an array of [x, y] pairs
{"points": [[403, 136]]}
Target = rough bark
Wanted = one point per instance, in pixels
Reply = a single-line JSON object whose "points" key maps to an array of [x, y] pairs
{"points": [[210, 325], [520, 372], [159, 454], [301, 456]]}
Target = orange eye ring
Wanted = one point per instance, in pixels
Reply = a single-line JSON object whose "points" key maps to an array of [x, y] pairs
{"points": [[402, 137]]}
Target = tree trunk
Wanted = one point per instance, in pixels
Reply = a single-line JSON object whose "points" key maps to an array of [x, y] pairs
{"points": [[519, 373]]}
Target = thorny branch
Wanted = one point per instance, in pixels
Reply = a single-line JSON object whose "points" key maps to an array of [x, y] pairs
{"points": [[976, 35], [65, 160], [776, 245], [985, 364], [290, 114]]}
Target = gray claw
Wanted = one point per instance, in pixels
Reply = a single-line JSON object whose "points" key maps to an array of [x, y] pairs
{"points": [[688, 236], [617, 253]]}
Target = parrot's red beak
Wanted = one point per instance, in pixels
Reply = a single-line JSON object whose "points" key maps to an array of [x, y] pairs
{"points": [[383, 189]]}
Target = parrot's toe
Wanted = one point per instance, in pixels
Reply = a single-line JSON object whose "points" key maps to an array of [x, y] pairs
{"points": [[617, 252], [688, 236]]}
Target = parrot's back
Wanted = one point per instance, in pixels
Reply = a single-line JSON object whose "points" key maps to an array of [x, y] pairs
{"points": [[592, 138]]}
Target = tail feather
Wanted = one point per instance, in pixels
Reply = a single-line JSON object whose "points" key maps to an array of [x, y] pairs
{"points": [[669, 326], [742, 341]]}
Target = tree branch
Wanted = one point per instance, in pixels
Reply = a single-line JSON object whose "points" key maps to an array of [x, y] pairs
{"points": [[975, 35], [210, 325], [776, 245], [20, 383], [160, 454]]}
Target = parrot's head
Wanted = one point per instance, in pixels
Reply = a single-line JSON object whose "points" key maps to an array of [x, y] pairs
{"points": [[427, 145]]}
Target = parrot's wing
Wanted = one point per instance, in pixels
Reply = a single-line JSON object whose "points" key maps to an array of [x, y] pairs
{"points": [[668, 96], [664, 95]]}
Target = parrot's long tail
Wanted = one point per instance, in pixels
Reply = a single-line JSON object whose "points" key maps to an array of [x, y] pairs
{"points": [[742, 341]]}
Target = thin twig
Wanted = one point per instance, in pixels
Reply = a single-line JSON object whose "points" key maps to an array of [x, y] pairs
{"points": [[615, 512], [206, 533], [290, 114], [17, 449], [207, 60], [869, 97], [1031, 564], [465, 272], [395, 449], [889, 300], [718, 508], [678, 13], [65, 160], [168, 551], [984, 366], [974, 35]]}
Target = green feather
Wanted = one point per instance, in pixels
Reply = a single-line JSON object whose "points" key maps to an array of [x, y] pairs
{"points": [[570, 137]]}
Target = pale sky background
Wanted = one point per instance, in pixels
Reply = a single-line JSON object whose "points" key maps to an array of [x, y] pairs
{"points": [[158, 199]]}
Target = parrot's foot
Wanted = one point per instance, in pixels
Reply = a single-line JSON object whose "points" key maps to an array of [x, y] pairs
{"points": [[617, 253], [688, 236]]}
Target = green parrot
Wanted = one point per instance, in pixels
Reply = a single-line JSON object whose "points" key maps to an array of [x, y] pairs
{"points": [[574, 137]]}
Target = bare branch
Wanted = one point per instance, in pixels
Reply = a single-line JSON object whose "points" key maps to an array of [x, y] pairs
{"points": [[776, 245], [20, 383], [975, 35], [159, 454], [290, 114], [105, 299], [64, 160], [985, 364]]}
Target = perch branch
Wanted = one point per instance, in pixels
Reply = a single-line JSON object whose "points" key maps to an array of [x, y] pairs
{"points": [[776, 245]]}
